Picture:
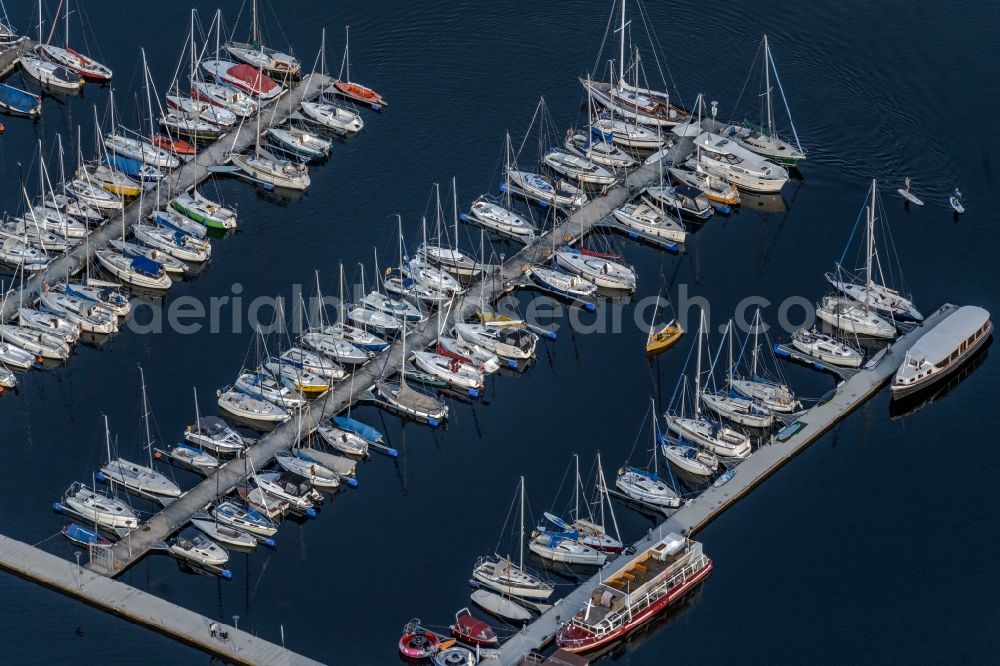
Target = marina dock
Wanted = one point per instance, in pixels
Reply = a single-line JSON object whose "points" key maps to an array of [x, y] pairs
{"points": [[186, 176], [764, 462], [140, 541], [232, 645]]}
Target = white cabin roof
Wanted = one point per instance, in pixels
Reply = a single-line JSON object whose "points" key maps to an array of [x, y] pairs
{"points": [[939, 342]]}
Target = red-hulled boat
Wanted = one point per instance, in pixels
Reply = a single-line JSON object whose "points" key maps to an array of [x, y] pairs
{"points": [[651, 582], [417, 642], [243, 77], [473, 631], [175, 146], [360, 93]]}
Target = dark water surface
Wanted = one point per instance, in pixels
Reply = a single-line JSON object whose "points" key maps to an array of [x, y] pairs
{"points": [[878, 543]]}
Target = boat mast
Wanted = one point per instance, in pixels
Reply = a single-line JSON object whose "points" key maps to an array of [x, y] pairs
{"points": [[621, 51], [107, 437], [520, 549], [454, 211], [870, 244], [729, 335], [197, 414], [253, 19], [145, 417], [697, 372], [66, 36], [576, 488], [347, 51], [767, 88]]}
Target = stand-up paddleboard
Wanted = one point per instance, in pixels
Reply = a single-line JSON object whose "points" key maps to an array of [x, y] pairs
{"points": [[909, 197], [957, 205]]}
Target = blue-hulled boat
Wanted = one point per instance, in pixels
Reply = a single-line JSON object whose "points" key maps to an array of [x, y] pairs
{"points": [[362, 430], [83, 536], [133, 168], [19, 102]]}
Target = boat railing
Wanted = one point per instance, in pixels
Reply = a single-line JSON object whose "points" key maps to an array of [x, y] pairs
{"points": [[636, 604]]}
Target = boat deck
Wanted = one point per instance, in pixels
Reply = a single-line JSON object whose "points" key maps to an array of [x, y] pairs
{"points": [[697, 513], [148, 610]]}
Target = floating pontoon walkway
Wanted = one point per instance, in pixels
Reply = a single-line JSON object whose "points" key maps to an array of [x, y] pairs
{"points": [[764, 462], [138, 543], [134, 605], [184, 177]]}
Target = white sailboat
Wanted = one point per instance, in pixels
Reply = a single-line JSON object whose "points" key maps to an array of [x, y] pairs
{"points": [[645, 486], [727, 402], [764, 140], [827, 348], [719, 439], [883, 300], [509, 579], [98, 508], [211, 432], [141, 480]]}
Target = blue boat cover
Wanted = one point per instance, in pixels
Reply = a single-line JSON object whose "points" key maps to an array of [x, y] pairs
{"points": [[148, 266], [126, 165], [80, 534], [360, 429], [18, 100]]}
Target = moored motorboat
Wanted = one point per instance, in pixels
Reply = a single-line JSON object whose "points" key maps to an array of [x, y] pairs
{"points": [[544, 190], [852, 317], [942, 350], [631, 596], [98, 508], [201, 209], [601, 270]]}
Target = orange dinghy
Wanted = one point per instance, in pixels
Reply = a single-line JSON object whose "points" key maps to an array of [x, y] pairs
{"points": [[360, 93]]}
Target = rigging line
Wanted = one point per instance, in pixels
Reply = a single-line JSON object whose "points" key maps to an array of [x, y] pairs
{"points": [[853, 231], [639, 435], [746, 81], [658, 52], [680, 382], [604, 39], [527, 133], [48, 538], [788, 111]]}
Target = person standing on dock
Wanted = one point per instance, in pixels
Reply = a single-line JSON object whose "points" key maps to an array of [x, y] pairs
{"points": [[213, 629]]}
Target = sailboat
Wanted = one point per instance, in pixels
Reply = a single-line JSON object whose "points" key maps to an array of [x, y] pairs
{"points": [[250, 409], [450, 259], [351, 90], [326, 114], [405, 401], [689, 458], [664, 336], [720, 439], [773, 394], [876, 296], [509, 579], [254, 53], [827, 348], [97, 508], [201, 209], [645, 486], [264, 167], [86, 67], [646, 106], [225, 534], [591, 531], [595, 147], [135, 266], [90, 317], [498, 218], [211, 432], [231, 514], [729, 403], [597, 268], [764, 140], [142, 480], [226, 96]]}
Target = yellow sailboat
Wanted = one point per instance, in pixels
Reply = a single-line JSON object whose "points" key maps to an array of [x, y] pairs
{"points": [[662, 338]]}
